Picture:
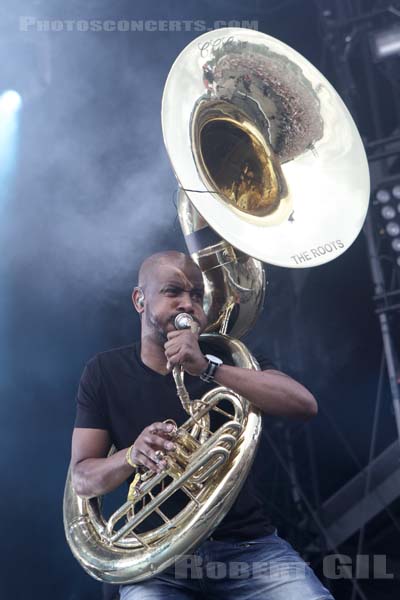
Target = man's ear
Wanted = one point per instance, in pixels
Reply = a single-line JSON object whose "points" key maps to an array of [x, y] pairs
{"points": [[138, 299]]}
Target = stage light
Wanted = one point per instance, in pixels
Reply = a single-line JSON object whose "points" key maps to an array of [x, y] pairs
{"points": [[396, 192], [388, 212], [10, 102], [396, 244], [382, 196], [393, 229], [386, 206], [385, 43]]}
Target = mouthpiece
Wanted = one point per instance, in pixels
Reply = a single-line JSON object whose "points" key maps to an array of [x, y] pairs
{"points": [[184, 321]]}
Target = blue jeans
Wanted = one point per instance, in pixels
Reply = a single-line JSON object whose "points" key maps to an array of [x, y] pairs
{"points": [[266, 568]]}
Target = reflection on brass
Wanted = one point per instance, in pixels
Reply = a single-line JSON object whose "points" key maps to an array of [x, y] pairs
{"points": [[234, 282], [273, 91], [236, 161]]}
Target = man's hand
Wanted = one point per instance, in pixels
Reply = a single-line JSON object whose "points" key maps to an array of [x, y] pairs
{"points": [[154, 439], [183, 349]]}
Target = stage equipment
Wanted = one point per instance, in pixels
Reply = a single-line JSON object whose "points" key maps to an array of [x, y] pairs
{"points": [[386, 202]]}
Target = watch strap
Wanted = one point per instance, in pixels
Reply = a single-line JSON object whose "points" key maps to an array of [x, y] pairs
{"points": [[208, 374]]}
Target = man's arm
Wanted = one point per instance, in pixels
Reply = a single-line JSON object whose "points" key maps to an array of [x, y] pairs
{"points": [[93, 474], [271, 391]]}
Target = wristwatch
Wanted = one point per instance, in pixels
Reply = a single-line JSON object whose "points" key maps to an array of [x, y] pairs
{"points": [[213, 363]]}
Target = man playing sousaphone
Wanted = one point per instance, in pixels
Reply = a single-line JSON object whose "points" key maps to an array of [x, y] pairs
{"points": [[126, 395], [270, 168]]}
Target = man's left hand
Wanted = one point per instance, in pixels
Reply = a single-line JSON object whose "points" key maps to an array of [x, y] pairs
{"points": [[183, 349]]}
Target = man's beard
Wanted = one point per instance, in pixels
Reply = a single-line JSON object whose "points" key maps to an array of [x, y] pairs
{"points": [[158, 330]]}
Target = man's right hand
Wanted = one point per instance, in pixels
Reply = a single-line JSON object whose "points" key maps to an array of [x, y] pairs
{"points": [[95, 474], [154, 439]]}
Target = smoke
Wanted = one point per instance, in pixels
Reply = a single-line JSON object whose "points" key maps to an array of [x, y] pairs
{"points": [[95, 193], [93, 196]]}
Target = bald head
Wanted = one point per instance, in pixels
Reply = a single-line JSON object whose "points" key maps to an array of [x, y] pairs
{"points": [[154, 264]]}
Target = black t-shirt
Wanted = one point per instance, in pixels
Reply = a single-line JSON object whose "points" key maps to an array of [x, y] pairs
{"points": [[118, 392]]}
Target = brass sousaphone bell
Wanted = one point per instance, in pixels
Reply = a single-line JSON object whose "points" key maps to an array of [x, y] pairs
{"points": [[265, 148], [271, 168]]}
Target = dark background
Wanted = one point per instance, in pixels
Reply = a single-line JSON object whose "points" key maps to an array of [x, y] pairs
{"points": [[92, 195]]}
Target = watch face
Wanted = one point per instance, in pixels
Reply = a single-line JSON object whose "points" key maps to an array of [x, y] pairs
{"points": [[214, 359]]}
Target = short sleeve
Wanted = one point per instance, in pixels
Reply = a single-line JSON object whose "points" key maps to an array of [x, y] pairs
{"points": [[90, 404], [264, 362]]}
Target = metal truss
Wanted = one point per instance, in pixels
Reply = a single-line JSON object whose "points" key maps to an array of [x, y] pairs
{"points": [[324, 526]]}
